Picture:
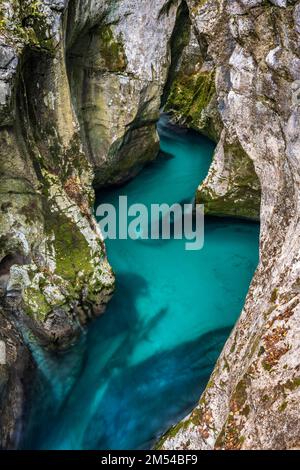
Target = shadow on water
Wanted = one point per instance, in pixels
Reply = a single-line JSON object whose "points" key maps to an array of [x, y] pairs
{"points": [[127, 415], [172, 382], [122, 406]]}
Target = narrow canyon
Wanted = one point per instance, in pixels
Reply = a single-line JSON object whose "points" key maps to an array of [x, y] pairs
{"points": [[83, 84]]}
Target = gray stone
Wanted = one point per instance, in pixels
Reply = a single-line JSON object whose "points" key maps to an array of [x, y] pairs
{"points": [[252, 399]]}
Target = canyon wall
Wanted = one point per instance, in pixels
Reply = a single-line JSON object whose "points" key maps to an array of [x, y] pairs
{"points": [[54, 275], [197, 99], [80, 93], [118, 60], [252, 49], [81, 86]]}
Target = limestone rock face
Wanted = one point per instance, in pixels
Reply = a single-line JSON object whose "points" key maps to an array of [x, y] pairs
{"points": [[252, 399], [54, 274], [53, 257], [118, 60], [199, 99], [81, 85]]}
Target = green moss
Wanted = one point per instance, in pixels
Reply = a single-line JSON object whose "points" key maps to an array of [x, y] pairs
{"points": [[28, 24], [111, 49], [231, 206], [71, 248], [2, 19], [229, 437], [196, 6], [232, 349], [189, 96], [226, 365], [269, 311], [240, 394], [72, 256], [292, 384], [197, 415], [255, 344], [179, 40], [274, 296], [200, 3], [243, 195], [220, 439], [266, 366], [210, 384], [283, 406], [35, 304], [245, 411], [171, 433]]}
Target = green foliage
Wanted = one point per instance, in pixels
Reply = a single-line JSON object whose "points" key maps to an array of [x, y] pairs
{"points": [[172, 432]]}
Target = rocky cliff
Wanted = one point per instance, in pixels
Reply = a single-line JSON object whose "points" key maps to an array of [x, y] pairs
{"points": [[118, 60], [81, 86], [197, 99], [252, 49], [54, 275], [80, 92]]}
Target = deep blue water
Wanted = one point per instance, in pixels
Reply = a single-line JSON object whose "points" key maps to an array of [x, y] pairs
{"points": [[143, 365]]}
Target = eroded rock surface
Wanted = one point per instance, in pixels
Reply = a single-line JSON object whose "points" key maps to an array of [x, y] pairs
{"points": [[252, 399], [81, 84], [54, 274], [198, 99], [118, 62]]}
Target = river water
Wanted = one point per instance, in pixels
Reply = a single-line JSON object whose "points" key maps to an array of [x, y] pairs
{"points": [[143, 365]]}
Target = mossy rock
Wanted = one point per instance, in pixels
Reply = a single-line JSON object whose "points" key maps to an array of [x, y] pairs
{"points": [[190, 95], [242, 197], [27, 24], [72, 252]]}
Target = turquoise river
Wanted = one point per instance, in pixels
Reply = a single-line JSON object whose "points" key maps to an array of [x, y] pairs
{"points": [[143, 365]]}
